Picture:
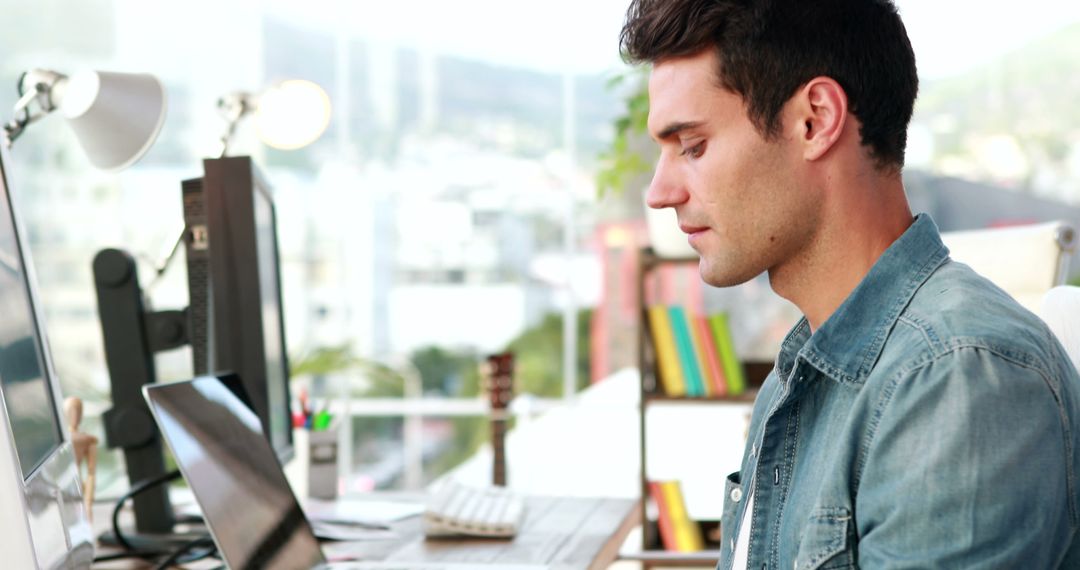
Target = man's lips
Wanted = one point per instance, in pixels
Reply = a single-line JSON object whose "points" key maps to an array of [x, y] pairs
{"points": [[690, 230]]}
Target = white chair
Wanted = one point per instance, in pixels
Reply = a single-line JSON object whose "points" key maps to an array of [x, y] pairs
{"points": [[1026, 261], [1061, 310]]}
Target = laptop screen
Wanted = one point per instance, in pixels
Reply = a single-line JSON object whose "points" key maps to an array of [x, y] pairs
{"points": [[235, 476]]}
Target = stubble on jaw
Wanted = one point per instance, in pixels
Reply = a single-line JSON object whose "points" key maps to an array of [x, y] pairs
{"points": [[775, 222]]}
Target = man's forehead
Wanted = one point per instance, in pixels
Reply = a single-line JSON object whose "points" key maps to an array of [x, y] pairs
{"points": [[684, 89], [699, 68]]}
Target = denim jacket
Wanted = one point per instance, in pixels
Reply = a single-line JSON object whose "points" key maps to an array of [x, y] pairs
{"points": [[929, 423]]}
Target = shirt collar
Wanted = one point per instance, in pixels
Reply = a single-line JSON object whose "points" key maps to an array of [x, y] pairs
{"points": [[846, 347]]}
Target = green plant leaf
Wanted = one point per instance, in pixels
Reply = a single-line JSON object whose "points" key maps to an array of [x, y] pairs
{"points": [[621, 163]]}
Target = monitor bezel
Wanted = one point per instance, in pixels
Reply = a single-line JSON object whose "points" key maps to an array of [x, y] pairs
{"points": [[233, 262], [42, 352], [55, 480]]}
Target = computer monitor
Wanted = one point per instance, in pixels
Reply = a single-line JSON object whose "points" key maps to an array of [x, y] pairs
{"points": [[42, 518], [234, 283], [233, 323]]}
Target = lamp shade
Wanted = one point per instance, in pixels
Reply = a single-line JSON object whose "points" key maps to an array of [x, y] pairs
{"points": [[115, 116]]}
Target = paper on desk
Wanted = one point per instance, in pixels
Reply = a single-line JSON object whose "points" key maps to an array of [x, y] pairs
{"points": [[361, 510], [347, 511], [344, 532]]}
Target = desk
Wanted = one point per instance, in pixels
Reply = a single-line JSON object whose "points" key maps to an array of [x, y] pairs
{"points": [[571, 533]]}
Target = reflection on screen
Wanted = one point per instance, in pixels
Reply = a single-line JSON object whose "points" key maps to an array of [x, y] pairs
{"points": [[26, 390], [274, 344], [235, 475]]}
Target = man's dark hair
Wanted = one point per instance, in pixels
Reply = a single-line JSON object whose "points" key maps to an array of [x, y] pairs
{"points": [[768, 49]]}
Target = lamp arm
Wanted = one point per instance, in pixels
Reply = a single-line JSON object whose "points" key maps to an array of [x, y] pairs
{"points": [[23, 117], [42, 84], [233, 107]]}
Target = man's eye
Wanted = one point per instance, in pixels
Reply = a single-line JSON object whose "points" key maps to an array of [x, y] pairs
{"points": [[694, 151]]}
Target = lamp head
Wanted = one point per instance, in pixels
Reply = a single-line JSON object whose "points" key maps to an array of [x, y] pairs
{"points": [[115, 116], [289, 115], [292, 114]]}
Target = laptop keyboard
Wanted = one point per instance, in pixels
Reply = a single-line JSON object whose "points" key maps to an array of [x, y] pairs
{"points": [[456, 509]]}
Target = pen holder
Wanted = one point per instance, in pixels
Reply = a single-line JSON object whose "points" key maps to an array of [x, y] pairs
{"points": [[323, 463]]}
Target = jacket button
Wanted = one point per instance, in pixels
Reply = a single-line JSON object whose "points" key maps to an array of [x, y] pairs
{"points": [[736, 494]]}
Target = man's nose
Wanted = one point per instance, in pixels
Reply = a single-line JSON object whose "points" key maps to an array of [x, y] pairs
{"points": [[667, 189]]}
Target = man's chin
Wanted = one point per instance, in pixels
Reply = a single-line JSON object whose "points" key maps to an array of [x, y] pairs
{"points": [[720, 278]]}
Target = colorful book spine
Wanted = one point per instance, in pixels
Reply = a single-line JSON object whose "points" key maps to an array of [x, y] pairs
{"points": [[687, 358], [667, 353], [708, 383], [663, 517], [712, 356], [688, 537], [733, 370]]}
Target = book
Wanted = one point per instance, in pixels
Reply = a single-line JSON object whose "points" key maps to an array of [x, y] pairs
{"points": [[712, 356], [708, 383], [663, 517], [687, 358], [667, 356], [688, 537], [733, 371]]}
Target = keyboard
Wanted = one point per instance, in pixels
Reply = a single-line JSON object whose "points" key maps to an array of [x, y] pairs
{"points": [[456, 509]]}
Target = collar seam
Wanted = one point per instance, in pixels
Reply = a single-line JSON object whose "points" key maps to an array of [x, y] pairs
{"points": [[873, 350], [881, 332]]}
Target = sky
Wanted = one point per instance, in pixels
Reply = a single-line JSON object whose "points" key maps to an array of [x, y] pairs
{"points": [[581, 36], [951, 36]]}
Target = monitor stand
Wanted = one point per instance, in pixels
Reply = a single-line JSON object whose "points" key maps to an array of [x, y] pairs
{"points": [[132, 335]]}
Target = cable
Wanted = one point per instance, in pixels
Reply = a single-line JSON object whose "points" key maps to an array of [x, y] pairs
{"points": [[129, 554], [179, 552], [162, 265], [139, 487], [190, 519]]}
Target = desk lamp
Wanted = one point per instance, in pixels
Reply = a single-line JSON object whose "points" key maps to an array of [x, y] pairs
{"points": [[115, 116], [289, 115]]}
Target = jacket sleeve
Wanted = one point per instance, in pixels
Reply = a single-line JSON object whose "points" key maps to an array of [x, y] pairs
{"points": [[967, 464]]}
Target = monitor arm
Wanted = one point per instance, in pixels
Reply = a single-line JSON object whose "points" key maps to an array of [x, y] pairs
{"points": [[132, 336]]}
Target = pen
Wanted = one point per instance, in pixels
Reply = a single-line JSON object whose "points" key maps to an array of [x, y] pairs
{"points": [[305, 406], [321, 421]]}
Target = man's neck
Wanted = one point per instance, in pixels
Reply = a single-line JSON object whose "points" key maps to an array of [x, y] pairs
{"points": [[859, 224]]}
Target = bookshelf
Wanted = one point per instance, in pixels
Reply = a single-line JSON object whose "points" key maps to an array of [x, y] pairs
{"points": [[653, 396]]}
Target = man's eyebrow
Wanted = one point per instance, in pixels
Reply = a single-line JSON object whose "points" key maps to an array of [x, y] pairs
{"points": [[675, 128]]}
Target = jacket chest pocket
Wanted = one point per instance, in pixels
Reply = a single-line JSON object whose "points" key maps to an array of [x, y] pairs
{"points": [[826, 543]]}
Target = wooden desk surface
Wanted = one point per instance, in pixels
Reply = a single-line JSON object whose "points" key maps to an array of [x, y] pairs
{"points": [[570, 533]]}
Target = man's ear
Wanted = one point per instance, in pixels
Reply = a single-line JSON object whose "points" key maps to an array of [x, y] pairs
{"points": [[822, 109]]}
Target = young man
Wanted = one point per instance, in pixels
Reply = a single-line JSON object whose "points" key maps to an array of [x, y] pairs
{"points": [[917, 417]]}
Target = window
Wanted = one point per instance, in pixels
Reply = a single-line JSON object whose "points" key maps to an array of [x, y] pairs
{"points": [[449, 211], [406, 232]]}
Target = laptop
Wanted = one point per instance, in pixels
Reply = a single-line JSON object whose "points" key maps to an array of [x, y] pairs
{"points": [[249, 507]]}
